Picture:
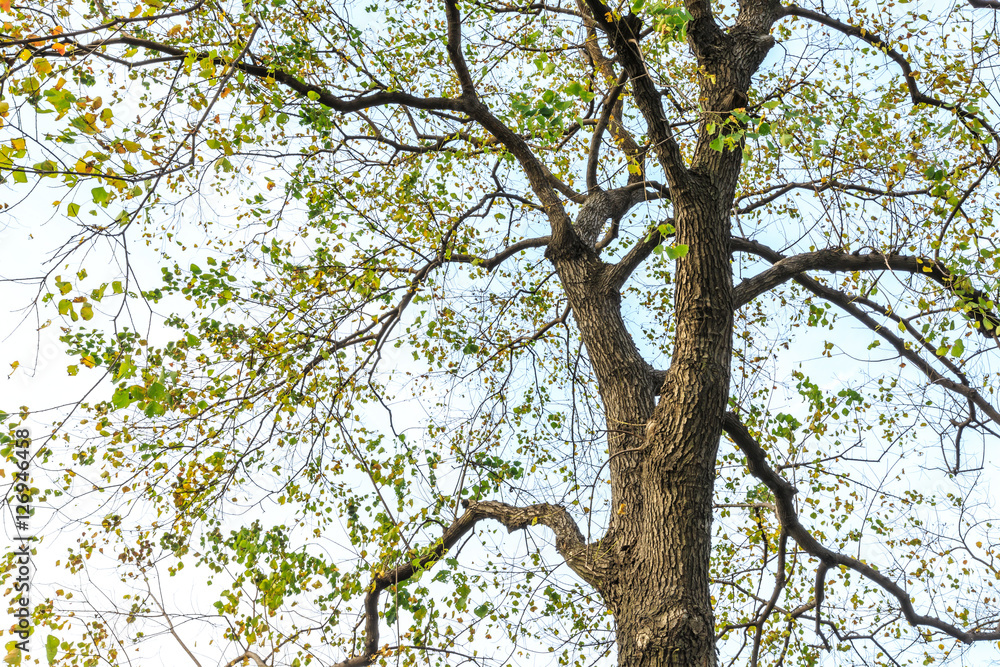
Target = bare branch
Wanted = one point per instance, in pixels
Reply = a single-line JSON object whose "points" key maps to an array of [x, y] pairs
{"points": [[835, 259], [917, 96], [569, 542], [784, 493]]}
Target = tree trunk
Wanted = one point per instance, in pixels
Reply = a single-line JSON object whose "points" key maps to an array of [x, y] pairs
{"points": [[657, 550], [656, 555]]}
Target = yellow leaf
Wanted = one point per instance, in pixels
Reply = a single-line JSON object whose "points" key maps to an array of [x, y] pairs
{"points": [[18, 143], [88, 361]]}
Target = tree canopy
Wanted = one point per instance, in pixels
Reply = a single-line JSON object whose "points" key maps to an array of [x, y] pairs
{"points": [[508, 333]]}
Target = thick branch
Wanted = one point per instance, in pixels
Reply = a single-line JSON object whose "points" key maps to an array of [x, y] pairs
{"points": [[917, 96], [624, 37], [455, 50], [620, 272], [784, 493], [569, 541], [490, 263], [849, 304], [785, 268]]}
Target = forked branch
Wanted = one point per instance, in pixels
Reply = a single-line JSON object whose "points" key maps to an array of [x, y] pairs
{"points": [[850, 305], [569, 542], [982, 307], [784, 493]]}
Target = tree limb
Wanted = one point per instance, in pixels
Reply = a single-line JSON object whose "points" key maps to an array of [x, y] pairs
{"points": [[784, 492], [624, 37], [569, 542], [610, 102], [917, 96], [784, 268], [849, 304]]}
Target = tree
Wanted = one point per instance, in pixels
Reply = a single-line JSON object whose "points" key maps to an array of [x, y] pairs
{"points": [[589, 242]]}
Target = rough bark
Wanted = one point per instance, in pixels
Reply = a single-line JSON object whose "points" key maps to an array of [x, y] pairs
{"points": [[656, 555]]}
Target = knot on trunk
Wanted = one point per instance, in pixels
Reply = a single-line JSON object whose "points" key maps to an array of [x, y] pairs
{"points": [[604, 205], [675, 632]]}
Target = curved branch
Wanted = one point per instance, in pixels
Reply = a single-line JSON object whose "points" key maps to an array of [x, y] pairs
{"points": [[785, 268], [490, 263], [610, 102], [784, 493], [323, 96], [569, 542], [917, 96], [849, 304], [455, 50]]}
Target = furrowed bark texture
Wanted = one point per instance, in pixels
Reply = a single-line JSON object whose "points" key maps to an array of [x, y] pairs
{"points": [[656, 555]]}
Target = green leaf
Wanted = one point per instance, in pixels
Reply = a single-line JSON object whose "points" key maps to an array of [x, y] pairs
{"points": [[20, 177], [73, 210], [51, 646], [677, 251], [157, 392], [121, 398], [958, 348]]}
